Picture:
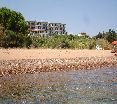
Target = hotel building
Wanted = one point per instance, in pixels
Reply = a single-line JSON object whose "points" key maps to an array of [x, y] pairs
{"points": [[46, 28]]}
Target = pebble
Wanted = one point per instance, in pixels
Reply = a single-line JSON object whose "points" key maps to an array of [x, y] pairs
{"points": [[48, 65]]}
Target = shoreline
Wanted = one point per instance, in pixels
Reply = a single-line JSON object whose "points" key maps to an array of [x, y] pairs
{"points": [[23, 66], [19, 61]]}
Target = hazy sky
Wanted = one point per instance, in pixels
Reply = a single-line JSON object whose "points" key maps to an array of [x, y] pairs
{"points": [[90, 16]]}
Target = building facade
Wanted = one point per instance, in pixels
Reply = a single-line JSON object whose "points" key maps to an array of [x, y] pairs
{"points": [[82, 34], [46, 28]]}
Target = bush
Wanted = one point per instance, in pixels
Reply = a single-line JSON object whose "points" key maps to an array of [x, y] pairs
{"points": [[64, 41], [13, 40], [104, 44]]}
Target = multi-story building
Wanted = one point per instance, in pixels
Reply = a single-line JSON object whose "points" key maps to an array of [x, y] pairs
{"points": [[46, 28]]}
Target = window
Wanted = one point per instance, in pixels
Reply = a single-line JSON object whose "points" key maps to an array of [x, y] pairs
{"points": [[56, 28], [32, 27], [55, 24], [44, 25], [61, 25], [51, 28], [35, 31], [61, 28], [43, 28], [32, 23], [51, 24], [39, 27]]}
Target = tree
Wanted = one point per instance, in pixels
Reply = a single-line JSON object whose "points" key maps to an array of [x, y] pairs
{"points": [[5, 16], [111, 35], [1, 34], [1, 31], [14, 28], [17, 23], [100, 35], [12, 20]]}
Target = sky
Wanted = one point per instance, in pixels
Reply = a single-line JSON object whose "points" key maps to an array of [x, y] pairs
{"points": [[90, 16]]}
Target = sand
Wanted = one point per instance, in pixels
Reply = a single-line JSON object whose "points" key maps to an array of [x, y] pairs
{"points": [[21, 61], [16, 54]]}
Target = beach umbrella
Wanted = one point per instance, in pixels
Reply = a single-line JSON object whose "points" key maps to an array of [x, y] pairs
{"points": [[114, 42]]}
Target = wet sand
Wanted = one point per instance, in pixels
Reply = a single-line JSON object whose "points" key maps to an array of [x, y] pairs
{"points": [[18, 61]]}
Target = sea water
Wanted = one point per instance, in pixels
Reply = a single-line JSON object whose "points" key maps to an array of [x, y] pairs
{"points": [[97, 86]]}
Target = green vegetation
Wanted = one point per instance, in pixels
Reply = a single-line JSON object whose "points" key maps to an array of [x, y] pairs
{"points": [[111, 35], [69, 41], [63, 41], [14, 33], [13, 29]]}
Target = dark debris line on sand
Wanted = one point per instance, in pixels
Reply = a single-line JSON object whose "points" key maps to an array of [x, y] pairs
{"points": [[47, 65]]}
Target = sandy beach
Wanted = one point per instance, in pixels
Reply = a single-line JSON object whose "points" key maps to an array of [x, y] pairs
{"points": [[17, 54], [18, 61]]}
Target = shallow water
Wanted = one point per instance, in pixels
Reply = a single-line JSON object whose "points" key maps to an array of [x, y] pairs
{"points": [[74, 87]]}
